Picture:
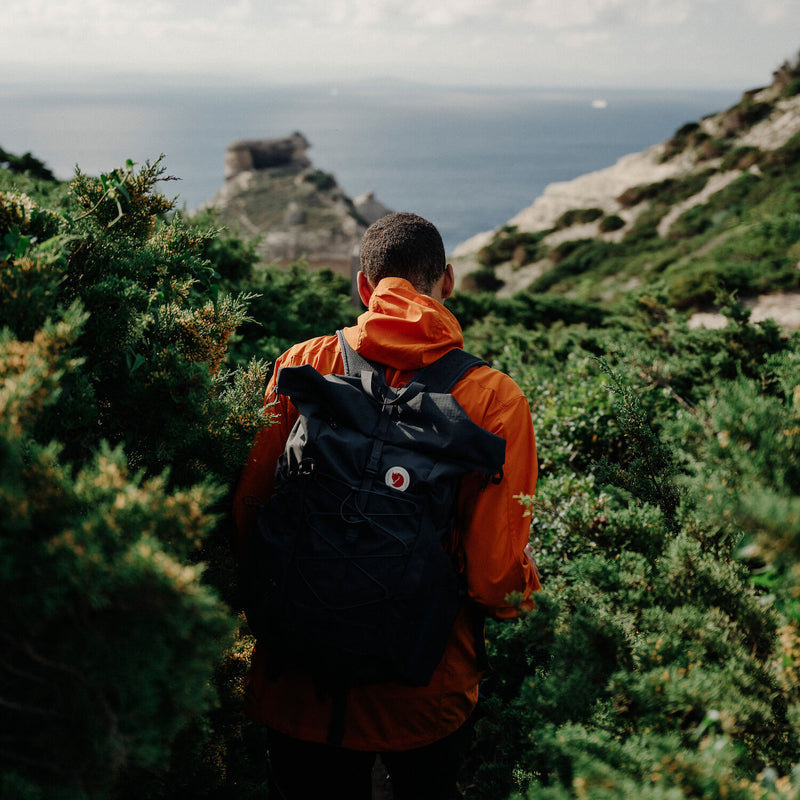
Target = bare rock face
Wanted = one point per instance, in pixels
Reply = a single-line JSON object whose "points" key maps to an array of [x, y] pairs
{"points": [[604, 188], [272, 192]]}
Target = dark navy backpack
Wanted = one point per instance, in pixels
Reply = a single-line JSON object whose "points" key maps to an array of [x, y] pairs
{"points": [[350, 574]]}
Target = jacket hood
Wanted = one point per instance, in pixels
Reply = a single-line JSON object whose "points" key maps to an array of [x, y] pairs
{"points": [[403, 329]]}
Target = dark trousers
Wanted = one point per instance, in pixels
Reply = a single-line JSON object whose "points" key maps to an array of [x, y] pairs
{"points": [[309, 771]]}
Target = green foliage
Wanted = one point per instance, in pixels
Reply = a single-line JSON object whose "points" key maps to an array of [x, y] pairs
{"points": [[646, 468], [320, 180], [782, 163], [119, 437], [578, 216], [751, 475], [233, 259], [611, 222], [525, 308], [742, 238], [573, 258], [760, 259], [663, 658], [288, 306], [669, 191], [744, 115], [111, 637], [657, 663], [786, 77], [25, 164], [482, 280], [509, 244], [792, 88], [741, 158], [687, 136]]}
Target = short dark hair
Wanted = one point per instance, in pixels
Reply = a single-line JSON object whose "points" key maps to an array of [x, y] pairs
{"points": [[403, 245]]}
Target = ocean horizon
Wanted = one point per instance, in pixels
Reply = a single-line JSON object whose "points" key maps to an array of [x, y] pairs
{"points": [[468, 159]]}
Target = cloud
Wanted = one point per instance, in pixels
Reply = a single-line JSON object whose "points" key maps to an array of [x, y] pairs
{"points": [[545, 14], [162, 18], [771, 12], [625, 41]]}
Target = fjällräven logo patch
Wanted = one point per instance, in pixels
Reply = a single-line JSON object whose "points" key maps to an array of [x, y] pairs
{"points": [[397, 478]]}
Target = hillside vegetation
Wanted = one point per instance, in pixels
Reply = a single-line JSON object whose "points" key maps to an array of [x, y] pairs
{"points": [[663, 658], [723, 215]]}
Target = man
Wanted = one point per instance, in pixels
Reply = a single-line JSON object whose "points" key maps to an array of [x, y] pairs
{"points": [[419, 731]]}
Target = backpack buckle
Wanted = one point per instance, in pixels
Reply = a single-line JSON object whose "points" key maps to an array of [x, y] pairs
{"points": [[306, 467]]}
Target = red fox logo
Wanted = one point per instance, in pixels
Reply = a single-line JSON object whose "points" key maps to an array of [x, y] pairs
{"points": [[397, 478]]}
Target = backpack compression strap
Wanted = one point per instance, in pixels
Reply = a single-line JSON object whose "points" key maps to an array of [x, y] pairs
{"points": [[440, 376]]}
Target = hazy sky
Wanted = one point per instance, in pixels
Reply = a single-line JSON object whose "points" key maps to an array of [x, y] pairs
{"points": [[538, 43]]}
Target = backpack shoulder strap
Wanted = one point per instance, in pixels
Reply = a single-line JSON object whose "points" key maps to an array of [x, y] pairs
{"points": [[440, 376], [443, 374], [354, 363]]}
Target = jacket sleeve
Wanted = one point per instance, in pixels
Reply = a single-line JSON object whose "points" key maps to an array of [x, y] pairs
{"points": [[493, 527]]}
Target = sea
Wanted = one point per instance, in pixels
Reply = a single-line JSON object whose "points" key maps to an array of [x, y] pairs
{"points": [[466, 158]]}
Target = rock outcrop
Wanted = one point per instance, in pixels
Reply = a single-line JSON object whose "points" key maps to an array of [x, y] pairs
{"points": [[369, 208], [260, 154], [689, 152], [272, 192]]}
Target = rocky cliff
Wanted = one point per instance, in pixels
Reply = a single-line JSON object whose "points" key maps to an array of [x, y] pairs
{"points": [[709, 155], [273, 192]]}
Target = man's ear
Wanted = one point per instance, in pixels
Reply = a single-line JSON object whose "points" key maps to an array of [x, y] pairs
{"points": [[365, 288], [449, 282]]}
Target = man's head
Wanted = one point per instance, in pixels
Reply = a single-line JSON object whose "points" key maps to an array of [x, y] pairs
{"points": [[406, 246]]}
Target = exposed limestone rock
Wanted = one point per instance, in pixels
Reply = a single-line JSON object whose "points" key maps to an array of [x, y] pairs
{"points": [[777, 129], [273, 192], [781, 307], [594, 190], [716, 183], [601, 189]]}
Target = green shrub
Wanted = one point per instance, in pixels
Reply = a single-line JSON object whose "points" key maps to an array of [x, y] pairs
{"points": [[26, 164], [573, 258], [320, 180], [783, 162], [509, 244], [524, 308], [712, 148], [744, 115], [119, 436], [482, 280], [694, 222], [578, 216], [644, 230], [792, 88], [754, 259], [663, 657], [611, 222], [289, 305], [668, 192], [652, 647], [684, 137], [694, 288], [741, 158]]}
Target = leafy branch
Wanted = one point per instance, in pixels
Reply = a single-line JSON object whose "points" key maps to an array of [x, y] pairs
{"points": [[113, 184]]}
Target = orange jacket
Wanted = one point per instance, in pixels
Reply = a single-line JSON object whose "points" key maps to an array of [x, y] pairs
{"points": [[406, 331]]}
